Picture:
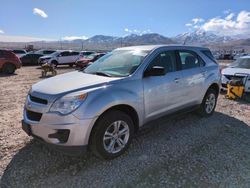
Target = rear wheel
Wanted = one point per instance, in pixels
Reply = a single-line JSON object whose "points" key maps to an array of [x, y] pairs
{"points": [[112, 134], [9, 68], [208, 104]]}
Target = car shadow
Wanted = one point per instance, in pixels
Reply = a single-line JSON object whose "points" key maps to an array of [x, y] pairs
{"points": [[164, 145], [7, 75]]}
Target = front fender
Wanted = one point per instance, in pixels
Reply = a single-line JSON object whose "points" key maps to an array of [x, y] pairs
{"points": [[105, 98]]}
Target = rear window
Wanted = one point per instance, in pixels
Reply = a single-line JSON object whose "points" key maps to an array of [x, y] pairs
{"points": [[209, 55], [6, 54]]}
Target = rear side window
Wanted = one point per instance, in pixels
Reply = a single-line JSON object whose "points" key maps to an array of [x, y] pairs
{"points": [[165, 59], [190, 60], [209, 55]]}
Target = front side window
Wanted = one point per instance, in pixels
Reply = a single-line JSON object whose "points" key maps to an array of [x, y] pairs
{"points": [[189, 60], [118, 63], [65, 54], [165, 60]]}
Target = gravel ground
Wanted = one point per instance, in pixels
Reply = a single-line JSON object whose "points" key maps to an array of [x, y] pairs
{"points": [[179, 151]]}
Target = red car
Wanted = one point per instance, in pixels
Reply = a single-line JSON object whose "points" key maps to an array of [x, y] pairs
{"points": [[9, 62], [84, 61]]}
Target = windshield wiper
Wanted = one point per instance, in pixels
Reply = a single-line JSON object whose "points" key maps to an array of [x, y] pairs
{"points": [[102, 74]]}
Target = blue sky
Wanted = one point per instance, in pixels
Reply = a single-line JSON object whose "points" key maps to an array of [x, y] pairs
{"points": [[78, 18]]}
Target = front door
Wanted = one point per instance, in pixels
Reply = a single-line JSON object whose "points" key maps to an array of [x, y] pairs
{"points": [[161, 93]]}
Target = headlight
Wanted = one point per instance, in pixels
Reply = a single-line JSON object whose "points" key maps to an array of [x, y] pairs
{"points": [[68, 103]]}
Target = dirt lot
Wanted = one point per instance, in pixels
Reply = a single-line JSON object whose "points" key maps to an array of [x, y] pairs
{"points": [[174, 151]]}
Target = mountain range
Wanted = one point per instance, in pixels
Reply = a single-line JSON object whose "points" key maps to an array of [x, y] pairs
{"points": [[103, 42]]}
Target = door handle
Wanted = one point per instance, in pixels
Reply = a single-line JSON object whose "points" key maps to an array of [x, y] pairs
{"points": [[176, 80]]}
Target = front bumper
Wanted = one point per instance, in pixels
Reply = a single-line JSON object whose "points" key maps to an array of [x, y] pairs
{"points": [[224, 82], [70, 150], [54, 128]]}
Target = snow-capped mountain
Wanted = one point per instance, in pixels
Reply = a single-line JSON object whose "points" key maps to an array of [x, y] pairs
{"points": [[200, 38], [129, 40]]}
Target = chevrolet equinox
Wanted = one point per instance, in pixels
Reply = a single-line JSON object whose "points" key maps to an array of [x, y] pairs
{"points": [[104, 105]]}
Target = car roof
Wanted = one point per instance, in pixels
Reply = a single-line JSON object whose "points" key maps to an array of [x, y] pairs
{"points": [[153, 47]]}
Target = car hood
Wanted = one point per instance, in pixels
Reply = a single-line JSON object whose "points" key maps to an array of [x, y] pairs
{"points": [[71, 81], [233, 71]]}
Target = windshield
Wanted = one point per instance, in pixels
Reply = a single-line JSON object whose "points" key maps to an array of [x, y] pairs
{"points": [[243, 63], [117, 63]]}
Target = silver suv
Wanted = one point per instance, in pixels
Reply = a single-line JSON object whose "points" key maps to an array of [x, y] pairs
{"points": [[103, 106]]}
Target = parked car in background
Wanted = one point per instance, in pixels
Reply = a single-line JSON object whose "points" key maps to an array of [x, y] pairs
{"points": [[9, 62], [30, 59], [240, 67], [20, 52], [44, 52], [84, 61], [104, 105], [60, 57], [85, 53]]}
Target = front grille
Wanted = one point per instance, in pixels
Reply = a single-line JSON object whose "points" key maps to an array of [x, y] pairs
{"points": [[230, 77], [33, 116], [38, 100]]}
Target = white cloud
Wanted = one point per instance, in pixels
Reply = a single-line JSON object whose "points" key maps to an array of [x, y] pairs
{"points": [[230, 16], [74, 38], [229, 26], [227, 11], [136, 31], [10, 38], [197, 20], [188, 24], [39, 12], [1, 31]]}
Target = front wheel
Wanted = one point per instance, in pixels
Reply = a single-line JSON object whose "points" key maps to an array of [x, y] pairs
{"points": [[208, 104], [112, 134]]}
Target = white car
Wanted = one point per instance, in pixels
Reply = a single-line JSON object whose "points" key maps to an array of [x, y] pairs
{"points": [[241, 68], [65, 57]]}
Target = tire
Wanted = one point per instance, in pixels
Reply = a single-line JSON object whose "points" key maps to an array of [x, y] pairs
{"points": [[71, 65], [105, 127], [55, 63], [9, 68], [208, 104]]}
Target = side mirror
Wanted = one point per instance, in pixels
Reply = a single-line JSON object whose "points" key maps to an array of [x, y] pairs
{"points": [[155, 71]]}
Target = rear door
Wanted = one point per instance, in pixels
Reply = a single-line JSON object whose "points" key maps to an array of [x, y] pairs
{"points": [[192, 76], [161, 93], [73, 57]]}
